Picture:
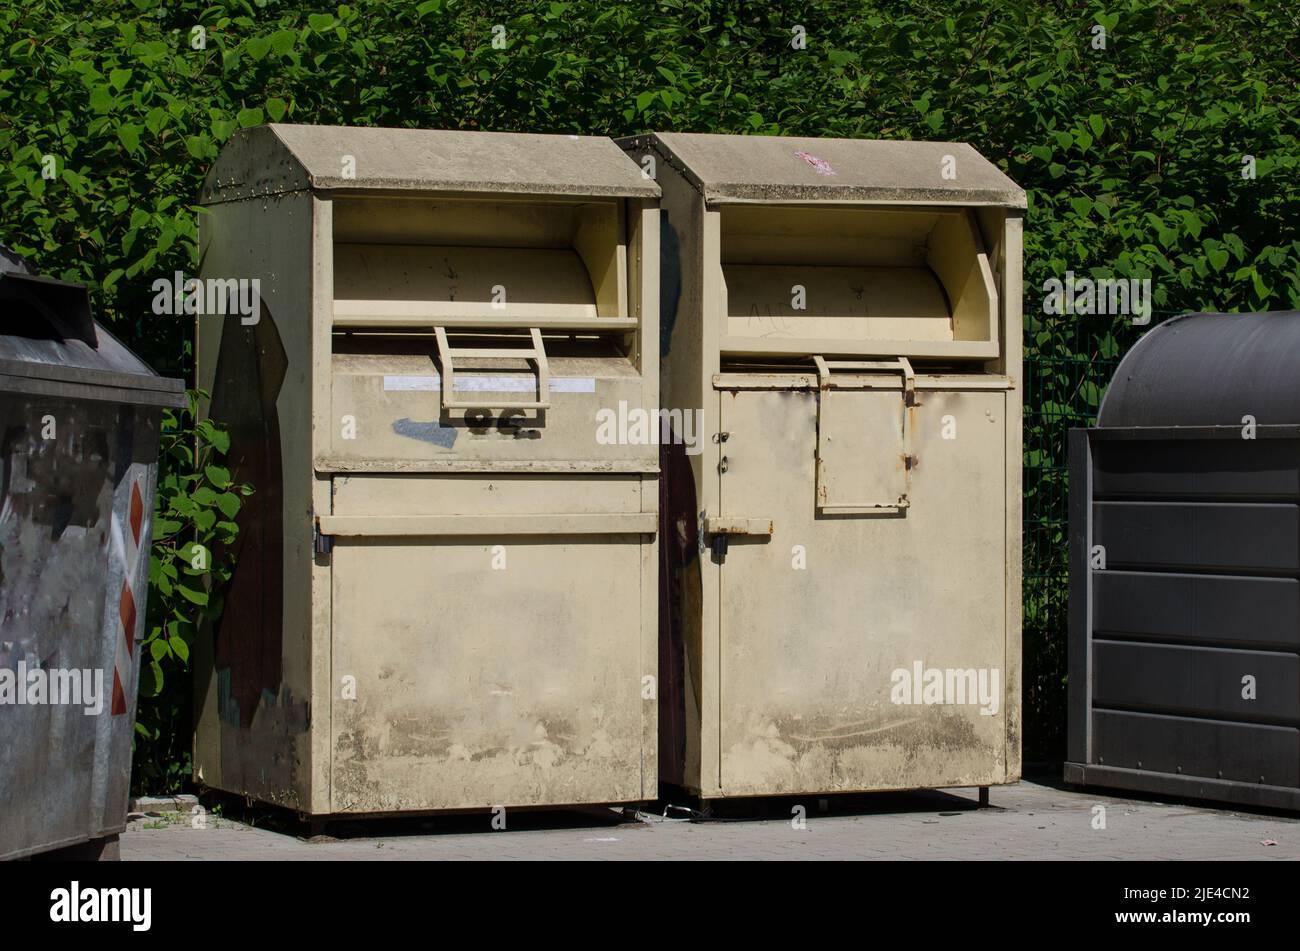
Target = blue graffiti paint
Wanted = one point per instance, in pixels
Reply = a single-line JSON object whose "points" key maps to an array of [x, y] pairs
{"points": [[433, 432]]}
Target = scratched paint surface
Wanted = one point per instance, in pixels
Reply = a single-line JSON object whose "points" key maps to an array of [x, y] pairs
{"points": [[64, 774]]}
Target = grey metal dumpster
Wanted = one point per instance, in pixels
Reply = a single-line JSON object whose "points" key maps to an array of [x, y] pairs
{"points": [[79, 417], [1185, 566]]}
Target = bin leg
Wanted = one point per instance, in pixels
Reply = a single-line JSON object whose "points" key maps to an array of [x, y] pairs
{"points": [[984, 797], [317, 828]]}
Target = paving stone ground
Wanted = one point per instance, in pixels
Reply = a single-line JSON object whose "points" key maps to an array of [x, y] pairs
{"points": [[1029, 820]]}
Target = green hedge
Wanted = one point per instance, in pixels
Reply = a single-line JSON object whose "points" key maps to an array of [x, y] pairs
{"points": [[1132, 154]]}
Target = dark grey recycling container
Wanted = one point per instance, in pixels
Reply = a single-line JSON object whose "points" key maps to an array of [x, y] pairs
{"points": [[1184, 657], [79, 418]]}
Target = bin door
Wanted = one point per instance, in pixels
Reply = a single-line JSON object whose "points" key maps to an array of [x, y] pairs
{"points": [[834, 627], [487, 667]]}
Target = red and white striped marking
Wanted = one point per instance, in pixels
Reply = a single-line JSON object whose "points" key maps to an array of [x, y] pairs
{"points": [[126, 548]]}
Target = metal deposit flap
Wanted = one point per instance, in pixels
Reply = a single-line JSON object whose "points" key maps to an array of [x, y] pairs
{"points": [[863, 459]]}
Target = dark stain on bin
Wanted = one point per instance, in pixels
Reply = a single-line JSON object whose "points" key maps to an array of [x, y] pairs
{"points": [[248, 638]]}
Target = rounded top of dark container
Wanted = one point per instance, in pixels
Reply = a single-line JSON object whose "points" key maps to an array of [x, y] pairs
{"points": [[1209, 370]]}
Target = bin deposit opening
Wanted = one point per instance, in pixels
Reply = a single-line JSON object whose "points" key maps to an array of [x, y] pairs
{"points": [[859, 274], [491, 262]]}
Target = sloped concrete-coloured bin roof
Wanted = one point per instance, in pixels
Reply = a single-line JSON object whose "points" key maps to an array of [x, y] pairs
{"points": [[275, 159], [731, 168]]}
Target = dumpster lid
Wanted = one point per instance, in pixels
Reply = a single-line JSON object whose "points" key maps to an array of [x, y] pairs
{"points": [[279, 158], [760, 168], [47, 333], [1209, 369]]}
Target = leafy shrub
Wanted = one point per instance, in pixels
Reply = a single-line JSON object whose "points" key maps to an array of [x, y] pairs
{"points": [[1132, 154], [193, 530]]}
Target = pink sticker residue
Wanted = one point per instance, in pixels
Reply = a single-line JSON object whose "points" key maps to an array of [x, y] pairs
{"points": [[822, 166]]}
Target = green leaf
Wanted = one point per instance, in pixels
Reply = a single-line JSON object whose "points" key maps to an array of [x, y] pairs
{"points": [[129, 136], [282, 41], [212, 435], [222, 128], [249, 117], [193, 595], [229, 504], [162, 527], [101, 98], [1261, 289]]}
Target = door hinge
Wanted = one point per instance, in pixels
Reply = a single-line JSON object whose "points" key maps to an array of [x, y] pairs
{"points": [[322, 544]]}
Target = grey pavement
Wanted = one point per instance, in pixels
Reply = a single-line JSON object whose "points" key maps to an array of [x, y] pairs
{"points": [[1026, 821]]}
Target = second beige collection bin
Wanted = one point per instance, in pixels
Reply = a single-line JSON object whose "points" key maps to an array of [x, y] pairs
{"points": [[445, 592], [842, 560]]}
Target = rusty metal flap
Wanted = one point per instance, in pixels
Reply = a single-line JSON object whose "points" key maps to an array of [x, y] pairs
{"points": [[863, 437]]}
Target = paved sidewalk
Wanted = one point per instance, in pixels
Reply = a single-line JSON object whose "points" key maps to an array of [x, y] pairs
{"points": [[1027, 821]]}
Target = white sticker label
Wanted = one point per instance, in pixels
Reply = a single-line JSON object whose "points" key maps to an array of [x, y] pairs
{"points": [[492, 384], [410, 383]]}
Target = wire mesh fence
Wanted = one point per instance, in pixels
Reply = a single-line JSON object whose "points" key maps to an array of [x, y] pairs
{"points": [[1067, 368]]}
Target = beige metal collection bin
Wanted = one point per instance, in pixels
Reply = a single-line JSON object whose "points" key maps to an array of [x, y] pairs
{"points": [[445, 595], [842, 563]]}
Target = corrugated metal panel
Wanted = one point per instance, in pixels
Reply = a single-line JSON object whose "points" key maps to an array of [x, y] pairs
{"points": [[1205, 536], [1185, 746], [1211, 609]]}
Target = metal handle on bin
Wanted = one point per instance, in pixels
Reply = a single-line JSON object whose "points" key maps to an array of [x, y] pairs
{"points": [[902, 365], [537, 354]]}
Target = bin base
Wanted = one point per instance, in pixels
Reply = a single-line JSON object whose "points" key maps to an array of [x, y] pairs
{"points": [[1174, 784], [107, 849]]}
